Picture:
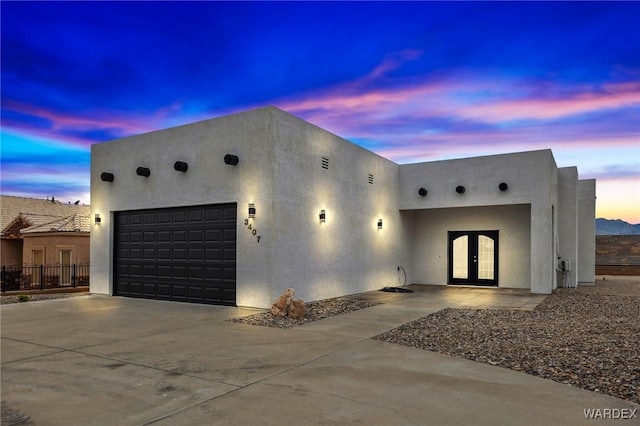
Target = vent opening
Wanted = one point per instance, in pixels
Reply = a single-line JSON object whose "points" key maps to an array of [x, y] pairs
{"points": [[370, 178], [325, 162]]}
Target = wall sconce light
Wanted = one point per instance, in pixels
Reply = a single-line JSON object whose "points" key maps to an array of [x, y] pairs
{"points": [[422, 192], [231, 160], [97, 219], [503, 187], [181, 166], [379, 223], [106, 177], [460, 189], [252, 210], [143, 171], [323, 216]]}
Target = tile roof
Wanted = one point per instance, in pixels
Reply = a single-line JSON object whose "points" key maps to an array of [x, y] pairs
{"points": [[71, 223], [617, 250], [43, 215]]}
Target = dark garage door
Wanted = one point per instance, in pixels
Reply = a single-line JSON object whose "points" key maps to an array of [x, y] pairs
{"points": [[185, 254]]}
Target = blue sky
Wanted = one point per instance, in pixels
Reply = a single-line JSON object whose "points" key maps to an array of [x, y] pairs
{"points": [[412, 81]]}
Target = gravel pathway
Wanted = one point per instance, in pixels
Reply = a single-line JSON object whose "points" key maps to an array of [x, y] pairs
{"points": [[588, 337]]}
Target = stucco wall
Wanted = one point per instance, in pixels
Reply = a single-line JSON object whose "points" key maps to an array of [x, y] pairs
{"points": [[532, 180], [11, 251], [208, 180], [52, 243], [280, 172], [348, 253], [568, 222], [430, 241], [586, 231]]}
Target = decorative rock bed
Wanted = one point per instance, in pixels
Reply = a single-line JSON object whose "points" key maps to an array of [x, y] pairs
{"points": [[314, 311], [32, 297], [588, 337]]}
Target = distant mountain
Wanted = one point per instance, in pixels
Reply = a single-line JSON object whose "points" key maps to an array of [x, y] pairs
{"points": [[616, 227]]}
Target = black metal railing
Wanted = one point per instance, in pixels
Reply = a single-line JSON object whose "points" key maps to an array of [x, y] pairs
{"points": [[41, 277]]}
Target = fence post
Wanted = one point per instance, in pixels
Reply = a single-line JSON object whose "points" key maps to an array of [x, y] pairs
{"points": [[73, 278], [4, 278], [41, 277]]}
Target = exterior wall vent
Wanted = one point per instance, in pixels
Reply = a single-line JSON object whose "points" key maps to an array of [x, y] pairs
{"points": [[370, 178], [325, 162]]}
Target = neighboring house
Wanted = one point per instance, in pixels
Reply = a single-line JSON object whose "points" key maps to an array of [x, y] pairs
{"points": [[43, 232], [618, 254], [235, 209]]}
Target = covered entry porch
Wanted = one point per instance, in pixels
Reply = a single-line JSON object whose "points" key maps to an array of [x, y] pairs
{"points": [[485, 246]]}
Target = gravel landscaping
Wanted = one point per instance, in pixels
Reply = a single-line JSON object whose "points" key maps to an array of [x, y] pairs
{"points": [[587, 337], [315, 311], [26, 297]]}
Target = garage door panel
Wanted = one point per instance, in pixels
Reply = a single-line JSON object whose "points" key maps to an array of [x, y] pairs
{"points": [[195, 236], [179, 272], [184, 253], [179, 216], [135, 270], [229, 215], [164, 237], [212, 254], [195, 272], [212, 273], [229, 274], [164, 290], [149, 218], [212, 235], [178, 290], [212, 214], [196, 254], [164, 217]]}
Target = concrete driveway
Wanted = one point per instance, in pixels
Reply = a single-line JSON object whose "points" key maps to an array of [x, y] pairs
{"points": [[96, 360]]}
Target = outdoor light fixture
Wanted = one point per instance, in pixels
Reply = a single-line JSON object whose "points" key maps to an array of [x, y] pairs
{"points": [[106, 177], [252, 210], [323, 216], [503, 186], [379, 223], [231, 160], [460, 189], [143, 171], [422, 192], [180, 166], [97, 219]]}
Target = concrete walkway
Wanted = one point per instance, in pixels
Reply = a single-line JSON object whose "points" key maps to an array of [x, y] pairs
{"points": [[96, 360]]}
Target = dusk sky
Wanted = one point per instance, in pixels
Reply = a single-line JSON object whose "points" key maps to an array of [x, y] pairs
{"points": [[411, 81]]}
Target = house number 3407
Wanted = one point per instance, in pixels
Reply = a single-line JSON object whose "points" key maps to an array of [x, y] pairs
{"points": [[250, 227]]}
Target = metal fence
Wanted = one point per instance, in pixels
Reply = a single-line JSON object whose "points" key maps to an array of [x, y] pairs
{"points": [[41, 277]]}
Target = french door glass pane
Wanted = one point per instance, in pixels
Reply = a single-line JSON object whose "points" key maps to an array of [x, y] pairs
{"points": [[485, 258], [461, 257]]}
